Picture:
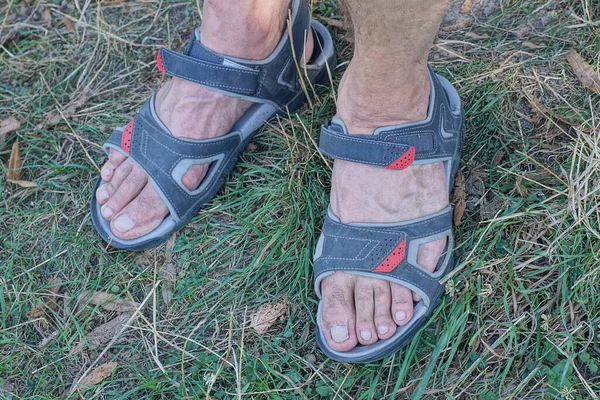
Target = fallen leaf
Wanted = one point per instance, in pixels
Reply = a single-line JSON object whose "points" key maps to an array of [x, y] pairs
{"points": [[587, 75], [108, 301], [47, 15], [460, 24], [99, 374], [266, 316], [12, 36], [54, 117], [522, 31], [7, 126], [546, 112], [467, 7], [499, 157], [459, 198], [14, 163], [68, 23], [48, 300], [521, 189], [102, 334], [251, 147]]}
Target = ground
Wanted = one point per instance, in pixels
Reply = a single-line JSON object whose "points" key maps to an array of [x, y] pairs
{"points": [[520, 318]]}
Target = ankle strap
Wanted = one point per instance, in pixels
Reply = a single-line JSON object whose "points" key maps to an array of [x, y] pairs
{"points": [[273, 80], [436, 138]]}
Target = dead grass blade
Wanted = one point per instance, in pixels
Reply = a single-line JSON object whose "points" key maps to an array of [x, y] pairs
{"points": [[108, 301], [24, 184], [587, 75], [267, 314], [14, 163]]}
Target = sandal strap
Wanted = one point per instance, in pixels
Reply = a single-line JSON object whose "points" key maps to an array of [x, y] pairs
{"points": [[273, 80], [387, 251], [434, 139], [166, 158]]}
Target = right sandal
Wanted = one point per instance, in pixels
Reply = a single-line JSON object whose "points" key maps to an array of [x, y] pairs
{"points": [[389, 251]]}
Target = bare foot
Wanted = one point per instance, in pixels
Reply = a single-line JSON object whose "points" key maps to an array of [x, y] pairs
{"points": [[358, 309], [189, 110]]}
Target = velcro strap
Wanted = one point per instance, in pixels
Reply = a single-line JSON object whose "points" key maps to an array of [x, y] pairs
{"points": [[240, 80], [366, 149]]}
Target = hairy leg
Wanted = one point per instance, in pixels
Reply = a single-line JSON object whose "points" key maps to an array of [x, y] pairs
{"points": [[386, 83]]}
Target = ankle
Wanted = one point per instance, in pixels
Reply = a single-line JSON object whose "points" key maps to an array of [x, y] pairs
{"points": [[369, 99], [245, 30]]}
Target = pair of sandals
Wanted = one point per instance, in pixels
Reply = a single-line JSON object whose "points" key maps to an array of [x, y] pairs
{"points": [[384, 251]]}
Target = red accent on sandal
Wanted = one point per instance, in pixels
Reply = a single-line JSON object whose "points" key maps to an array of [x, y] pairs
{"points": [[159, 62], [126, 136], [393, 259], [404, 161]]}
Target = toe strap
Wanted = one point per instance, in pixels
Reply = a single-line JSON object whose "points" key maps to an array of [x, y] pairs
{"points": [[165, 158], [386, 251]]}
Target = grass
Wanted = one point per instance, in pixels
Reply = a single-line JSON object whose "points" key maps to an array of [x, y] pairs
{"points": [[521, 316]]}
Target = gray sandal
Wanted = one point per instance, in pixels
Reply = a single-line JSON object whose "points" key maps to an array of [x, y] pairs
{"points": [[273, 84], [389, 251]]}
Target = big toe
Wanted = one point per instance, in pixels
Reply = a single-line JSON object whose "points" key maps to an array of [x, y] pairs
{"points": [[338, 315], [142, 215]]}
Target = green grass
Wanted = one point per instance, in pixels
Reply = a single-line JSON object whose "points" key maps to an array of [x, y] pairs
{"points": [[521, 316]]}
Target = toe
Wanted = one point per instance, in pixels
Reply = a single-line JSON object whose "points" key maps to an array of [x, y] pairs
{"points": [[131, 186], [384, 322], [364, 304], [141, 215], [194, 175], [338, 315], [104, 193], [428, 256], [107, 190], [115, 159], [402, 304]]}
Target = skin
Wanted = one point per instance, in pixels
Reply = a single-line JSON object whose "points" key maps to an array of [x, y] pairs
{"points": [[385, 84]]}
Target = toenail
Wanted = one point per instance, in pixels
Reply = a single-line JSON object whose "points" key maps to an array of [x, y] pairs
{"points": [[400, 316], [107, 212], [103, 195], [339, 333], [105, 171], [123, 223], [383, 329], [366, 335]]}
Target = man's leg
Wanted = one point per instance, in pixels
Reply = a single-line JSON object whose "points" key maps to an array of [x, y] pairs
{"points": [[386, 83], [248, 29]]}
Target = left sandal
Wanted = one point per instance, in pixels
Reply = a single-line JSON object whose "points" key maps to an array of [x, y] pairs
{"points": [[389, 251]]}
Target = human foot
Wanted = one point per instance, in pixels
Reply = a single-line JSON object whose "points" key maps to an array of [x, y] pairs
{"points": [[361, 308], [191, 111]]}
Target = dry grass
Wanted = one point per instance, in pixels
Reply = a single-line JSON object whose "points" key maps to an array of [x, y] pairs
{"points": [[521, 317]]}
